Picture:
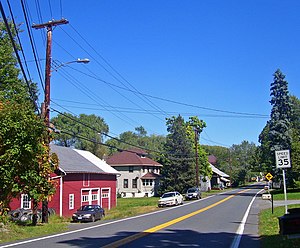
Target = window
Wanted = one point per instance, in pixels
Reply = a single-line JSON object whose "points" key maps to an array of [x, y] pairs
{"points": [[25, 201], [147, 182], [94, 197], [86, 180], [85, 198], [130, 168], [125, 185], [71, 201], [134, 183]]}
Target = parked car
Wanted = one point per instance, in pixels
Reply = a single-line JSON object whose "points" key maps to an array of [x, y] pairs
{"points": [[89, 213], [193, 193], [170, 199]]}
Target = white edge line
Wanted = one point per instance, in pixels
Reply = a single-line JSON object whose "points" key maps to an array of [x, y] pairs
{"points": [[92, 227], [240, 230]]}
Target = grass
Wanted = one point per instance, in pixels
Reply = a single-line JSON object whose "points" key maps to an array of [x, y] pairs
{"points": [[10, 231], [292, 194], [127, 207], [269, 225], [269, 229]]}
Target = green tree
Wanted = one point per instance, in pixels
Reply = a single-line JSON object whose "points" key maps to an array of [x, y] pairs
{"points": [[84, 132], [178, 171], [129, 139], [194, 129], [295, 146], [242, 161]]}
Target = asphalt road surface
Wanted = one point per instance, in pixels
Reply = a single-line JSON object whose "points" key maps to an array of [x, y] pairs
{"points": [[228, 219]]}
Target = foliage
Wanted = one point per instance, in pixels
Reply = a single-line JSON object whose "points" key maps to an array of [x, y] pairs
{"points": [[242, 158], [277, 133], [129, 139], [178, 172], [295, 146], [91, 128], [194, 128], [11, 86], [222, 154]]}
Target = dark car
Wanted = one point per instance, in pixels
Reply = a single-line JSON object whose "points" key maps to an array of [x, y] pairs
{"points": [[193, 193], [89, 213]]}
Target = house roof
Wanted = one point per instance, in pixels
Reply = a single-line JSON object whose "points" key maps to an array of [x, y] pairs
{"points": [[218, 172], [150, 175], [79, 161], [212, 159], [131, 157]]}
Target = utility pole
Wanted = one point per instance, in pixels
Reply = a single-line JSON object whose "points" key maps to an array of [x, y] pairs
{"points": [[46, 105], [196, 154]]}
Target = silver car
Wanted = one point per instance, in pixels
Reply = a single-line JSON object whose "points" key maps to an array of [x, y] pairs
{"points": [[193, 193]]}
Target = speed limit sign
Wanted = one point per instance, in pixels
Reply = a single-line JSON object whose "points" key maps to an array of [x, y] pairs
{"points": [[283, 159]]}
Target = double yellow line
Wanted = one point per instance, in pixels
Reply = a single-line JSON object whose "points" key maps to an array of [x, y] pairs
{"points": [[167, 224]]}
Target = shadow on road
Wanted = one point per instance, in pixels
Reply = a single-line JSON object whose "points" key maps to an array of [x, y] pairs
{"points": [[167, 238]]}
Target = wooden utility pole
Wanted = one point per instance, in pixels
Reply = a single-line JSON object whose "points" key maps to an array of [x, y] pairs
{"points": [[196, 154], [46, 105]]}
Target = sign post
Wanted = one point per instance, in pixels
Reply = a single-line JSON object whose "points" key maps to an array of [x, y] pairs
{"points": [[283, 161]]}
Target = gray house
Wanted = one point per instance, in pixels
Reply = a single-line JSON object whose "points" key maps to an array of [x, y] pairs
{"points": [[139, 175]]}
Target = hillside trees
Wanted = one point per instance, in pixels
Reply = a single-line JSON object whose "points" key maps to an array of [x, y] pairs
{"points": [[84, 132], [140, 138], [24, 159]]}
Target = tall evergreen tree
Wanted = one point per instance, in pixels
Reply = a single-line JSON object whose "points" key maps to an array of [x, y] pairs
{"points": [[277, 134], [178, 172]]}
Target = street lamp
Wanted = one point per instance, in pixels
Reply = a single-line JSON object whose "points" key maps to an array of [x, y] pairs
{"points": [[83, 61]]}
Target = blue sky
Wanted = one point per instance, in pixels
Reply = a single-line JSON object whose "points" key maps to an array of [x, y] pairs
{"points": [[155, 59]]}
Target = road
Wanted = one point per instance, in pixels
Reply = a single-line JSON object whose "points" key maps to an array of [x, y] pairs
{"points": [[223, 220]]}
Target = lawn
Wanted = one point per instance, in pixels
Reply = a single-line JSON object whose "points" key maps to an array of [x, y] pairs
{"points": [[269, 225]]}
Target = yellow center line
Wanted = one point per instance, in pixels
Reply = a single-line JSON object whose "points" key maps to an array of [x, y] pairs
{"points": [[167, 224]]}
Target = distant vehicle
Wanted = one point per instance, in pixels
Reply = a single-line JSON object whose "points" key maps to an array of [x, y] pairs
{"points": [[170, 199], [88, 213], [193, 193]]}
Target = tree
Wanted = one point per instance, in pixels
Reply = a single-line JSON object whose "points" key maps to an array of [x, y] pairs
{"points": [[242, 161], [25, 162], [178, 171], [194, 129], [129, 139], [84, 132], [222, 154], [295, 146], [277, 133]]}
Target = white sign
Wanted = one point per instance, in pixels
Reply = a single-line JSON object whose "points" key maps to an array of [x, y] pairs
{"points": [[283, 159]]}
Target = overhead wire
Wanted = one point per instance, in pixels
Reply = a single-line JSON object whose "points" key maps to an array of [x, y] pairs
{"points": [[103, 67], [18, 56], [33, 46], [114, 138], [173, 101], [90, 94], [114, 70]]}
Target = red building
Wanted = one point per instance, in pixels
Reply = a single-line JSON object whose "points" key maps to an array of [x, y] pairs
{"points": [[82, 179]]}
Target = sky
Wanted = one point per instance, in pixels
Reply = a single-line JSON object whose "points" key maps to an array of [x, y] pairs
{"points": [[151, 60]]}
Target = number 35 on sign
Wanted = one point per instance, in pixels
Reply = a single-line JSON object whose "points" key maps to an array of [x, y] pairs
{"points": [[283, 159]]}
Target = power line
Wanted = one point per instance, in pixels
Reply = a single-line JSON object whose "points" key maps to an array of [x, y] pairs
{"points": [[135, 91], [17, 55], [173, 101], [33, 46]]}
